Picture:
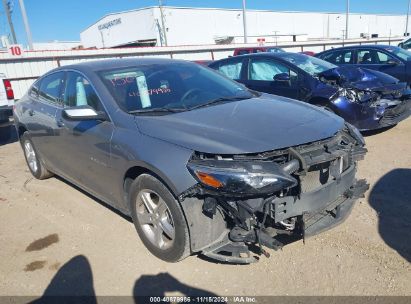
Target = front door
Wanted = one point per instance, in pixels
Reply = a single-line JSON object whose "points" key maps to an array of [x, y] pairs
{"points": [[382, 62], [273, 77], [84, 146]]}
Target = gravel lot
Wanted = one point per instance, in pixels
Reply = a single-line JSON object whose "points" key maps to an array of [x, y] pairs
{"points": [[56, 239]]}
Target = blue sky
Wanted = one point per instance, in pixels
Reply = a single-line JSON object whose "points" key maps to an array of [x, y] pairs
{"points": [[65, 19]]}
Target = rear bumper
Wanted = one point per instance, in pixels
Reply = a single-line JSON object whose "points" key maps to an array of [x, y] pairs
{"points": [[6, 112], [7, 108]]}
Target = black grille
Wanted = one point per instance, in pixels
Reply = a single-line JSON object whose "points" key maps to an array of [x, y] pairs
{"points": [[316, 176], [320, 174]]}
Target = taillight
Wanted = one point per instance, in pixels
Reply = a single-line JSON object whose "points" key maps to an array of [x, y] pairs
{"points": [[9, 90]]}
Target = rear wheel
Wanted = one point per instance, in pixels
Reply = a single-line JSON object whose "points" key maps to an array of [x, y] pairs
{"points": [[158, 219], [33, 160]]}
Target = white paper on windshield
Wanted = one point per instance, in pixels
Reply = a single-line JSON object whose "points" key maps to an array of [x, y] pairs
{"points": [[143, 90]]}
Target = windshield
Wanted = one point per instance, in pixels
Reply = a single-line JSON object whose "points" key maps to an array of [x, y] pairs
{"points": [[403, 54], [311, 65], [173, 86]]}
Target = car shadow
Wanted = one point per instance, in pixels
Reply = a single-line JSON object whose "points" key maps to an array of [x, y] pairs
{"points": [[377, 131], [8, 134], [163, 283], [391, 199], [73, 283]]}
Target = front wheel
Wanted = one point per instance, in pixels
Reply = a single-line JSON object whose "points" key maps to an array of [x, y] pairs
{"points": [[159, 219], [33, 160]]}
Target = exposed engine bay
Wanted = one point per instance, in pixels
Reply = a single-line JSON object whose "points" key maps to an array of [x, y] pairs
{"points": [[273, 198], [355, 86], [366, 98]]}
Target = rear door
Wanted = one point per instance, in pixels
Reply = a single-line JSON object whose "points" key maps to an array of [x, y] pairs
{"points": [[44, 101], [261, 73], [381, 61], [84, 146], [339, 57]]}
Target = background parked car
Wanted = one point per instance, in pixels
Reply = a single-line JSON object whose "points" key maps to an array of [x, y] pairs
{"points": [[309, 53], [6, 99], [405, 44], [260, 49], [268, 49], [388, 59], [365, 98]]}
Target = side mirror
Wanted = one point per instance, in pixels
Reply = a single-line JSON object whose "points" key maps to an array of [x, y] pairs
{"points": [[282, 77], [83, 113], [401, 45], [392, 62]]}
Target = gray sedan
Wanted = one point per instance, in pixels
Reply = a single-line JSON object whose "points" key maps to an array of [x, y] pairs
{"points": [[200, 163]]}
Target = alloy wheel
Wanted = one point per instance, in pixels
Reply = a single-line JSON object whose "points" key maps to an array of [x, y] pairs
{"points": [[155, 220], [30, 156]]}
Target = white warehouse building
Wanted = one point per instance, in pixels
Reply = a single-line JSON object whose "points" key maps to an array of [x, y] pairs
{"points": [[194, 26]]}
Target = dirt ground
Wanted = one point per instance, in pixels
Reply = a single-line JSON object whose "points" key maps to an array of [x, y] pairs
{"points": [[55, 239]]}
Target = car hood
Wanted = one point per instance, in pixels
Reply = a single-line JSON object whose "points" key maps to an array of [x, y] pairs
{"points": [[360, 78], [247, 126]]}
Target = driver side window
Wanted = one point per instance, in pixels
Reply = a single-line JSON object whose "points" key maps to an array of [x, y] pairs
{"points": [[79, 92], [266, 70], [383, 58]]}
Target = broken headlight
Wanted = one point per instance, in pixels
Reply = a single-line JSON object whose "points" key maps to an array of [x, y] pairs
{"points": [[241, 177], [351, 95], [354, 95]]}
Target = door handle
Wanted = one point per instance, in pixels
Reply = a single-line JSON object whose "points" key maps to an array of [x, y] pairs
{"points": [[31, 112], [60, 123]]}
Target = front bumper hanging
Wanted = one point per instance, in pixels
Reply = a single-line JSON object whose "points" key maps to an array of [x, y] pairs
{"points": [[241, 247]]}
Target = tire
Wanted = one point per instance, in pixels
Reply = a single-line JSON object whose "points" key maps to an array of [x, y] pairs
{"points": [[35, 164], [159, 219]]}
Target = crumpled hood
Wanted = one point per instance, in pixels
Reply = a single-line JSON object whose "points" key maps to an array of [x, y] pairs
{"points": [[362, 79], [247, 126]]}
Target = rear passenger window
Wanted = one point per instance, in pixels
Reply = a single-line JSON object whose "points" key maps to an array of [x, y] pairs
{"points": [[35, 89], [50, 87], [231, 69], [339, 57], [79, 92]]}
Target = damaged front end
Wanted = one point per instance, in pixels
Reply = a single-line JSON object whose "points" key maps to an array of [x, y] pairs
{"points": [[272, 198], [368, 99]]}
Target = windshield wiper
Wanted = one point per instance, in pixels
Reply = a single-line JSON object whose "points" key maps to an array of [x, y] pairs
{"points": [[219, 100], [157, 110]]}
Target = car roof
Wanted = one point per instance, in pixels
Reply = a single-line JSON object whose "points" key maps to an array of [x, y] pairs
{"points": [[364, 46], [267, 54], [258, 47], [107, 64]]}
